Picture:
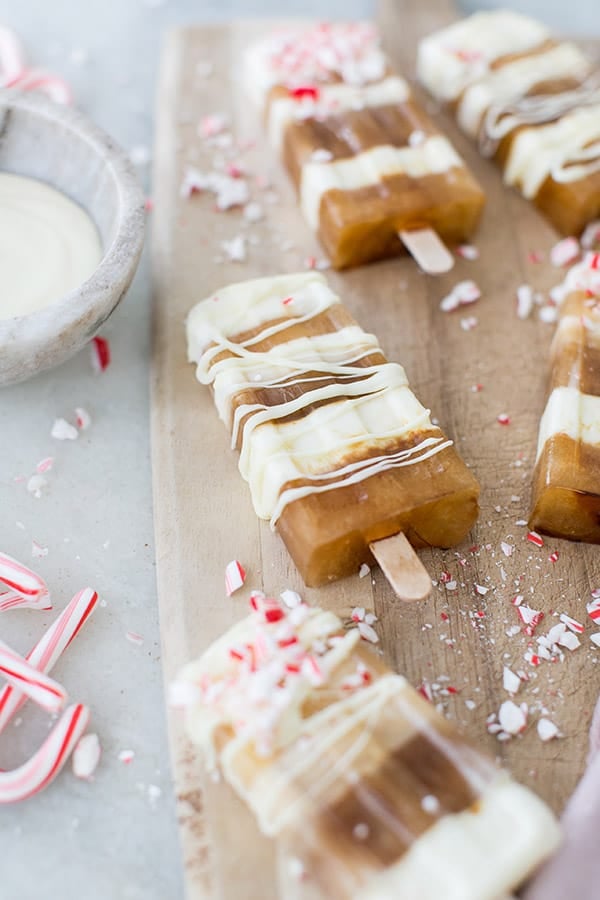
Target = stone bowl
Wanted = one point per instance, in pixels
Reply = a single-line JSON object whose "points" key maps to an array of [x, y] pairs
{"points": [[58, 145]]}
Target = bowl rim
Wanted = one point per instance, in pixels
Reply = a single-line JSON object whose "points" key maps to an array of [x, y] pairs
{"points": [[123, 253]]}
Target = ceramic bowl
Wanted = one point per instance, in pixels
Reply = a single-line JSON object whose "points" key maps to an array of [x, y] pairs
{"points": [[58, 145]]}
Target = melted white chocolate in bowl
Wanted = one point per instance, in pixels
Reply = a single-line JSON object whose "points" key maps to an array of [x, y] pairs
{"points": [[48, 245]]}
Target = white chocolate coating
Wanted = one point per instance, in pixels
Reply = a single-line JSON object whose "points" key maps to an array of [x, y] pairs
{"points": [[512, 81], [48, 245], [570, 412], [435, 155], [368, 408], [486, 852], [452, 59], [557, 150], [333, 99]]}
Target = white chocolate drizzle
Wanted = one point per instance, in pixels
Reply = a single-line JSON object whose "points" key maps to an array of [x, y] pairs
{"points": [[348, 434]]}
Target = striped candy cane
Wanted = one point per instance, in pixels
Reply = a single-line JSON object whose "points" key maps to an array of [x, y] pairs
{"points": [[54, 642], [46, 763], [12, 63], [44, 766], [21, 675], [15, 73], [27, 590]]}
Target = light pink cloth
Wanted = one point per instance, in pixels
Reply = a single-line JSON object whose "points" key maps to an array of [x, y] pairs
{"points": [[574, 872]]}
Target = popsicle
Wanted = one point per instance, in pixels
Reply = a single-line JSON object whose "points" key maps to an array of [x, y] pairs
{"points": [[367, 163], [337, 450], [532, 102], [566, 490], [374, 793]]}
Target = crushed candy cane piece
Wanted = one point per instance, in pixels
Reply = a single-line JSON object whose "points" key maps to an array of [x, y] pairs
{"points": [[126, 756], [213, 124], [565, 252], [36, 484], [235, 249], [534, 538], [507, 549], [512, 718], [38, 551], [253, 212], [510, 681], [469, 323], [86, 756], [63, 431], [547, 730], [229, 192], [368, 633], [591, 235], [503, 419], [45, 465], [462, 294], [569, 640], [481, 589], [364, 570], [467, 251], [358, 614], [524, 301], [593, 609], [548, 314], [595, 638], [83, 418], [235, 576], [100, 354], [291, 598], [573, 624], [134, 638]]}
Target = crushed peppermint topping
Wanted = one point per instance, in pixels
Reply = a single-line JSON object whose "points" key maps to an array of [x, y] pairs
{"points": [[63, 431], [565, 252], [235, 575], [462, 294]]}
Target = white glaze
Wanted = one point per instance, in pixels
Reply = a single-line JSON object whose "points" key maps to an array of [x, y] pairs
{"points": [[435, 155], [450, 60], [48, 245], [547, 150], [572, 413], [513, 80]]}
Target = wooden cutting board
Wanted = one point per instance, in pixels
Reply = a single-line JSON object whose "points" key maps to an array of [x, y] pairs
{"points": [[456, 640]]}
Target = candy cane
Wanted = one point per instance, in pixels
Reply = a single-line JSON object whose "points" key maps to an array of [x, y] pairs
{"points": [[44, 766], [28, 590], [54, 87], [21, 675], [12, 64], [54, 642]]}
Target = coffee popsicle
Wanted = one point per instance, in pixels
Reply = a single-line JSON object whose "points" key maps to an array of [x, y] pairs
{"points": [[566, 491], [371, 790], [366, 161], [337, 450], [531, 101]]}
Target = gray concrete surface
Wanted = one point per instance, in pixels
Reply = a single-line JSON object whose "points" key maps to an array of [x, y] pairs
{"points": [[116, 838]]}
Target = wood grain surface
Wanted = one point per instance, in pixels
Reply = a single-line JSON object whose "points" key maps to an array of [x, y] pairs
{"points": [[203, 513]]}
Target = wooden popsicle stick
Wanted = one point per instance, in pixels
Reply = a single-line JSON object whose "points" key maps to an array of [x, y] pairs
{"points": [[408, 577], [428, 250]]}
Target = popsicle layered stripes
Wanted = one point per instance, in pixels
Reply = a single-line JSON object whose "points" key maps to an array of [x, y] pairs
{"points": [[337, 450], [567, 478], [310, 400], [350, 133], [532, 102]]}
